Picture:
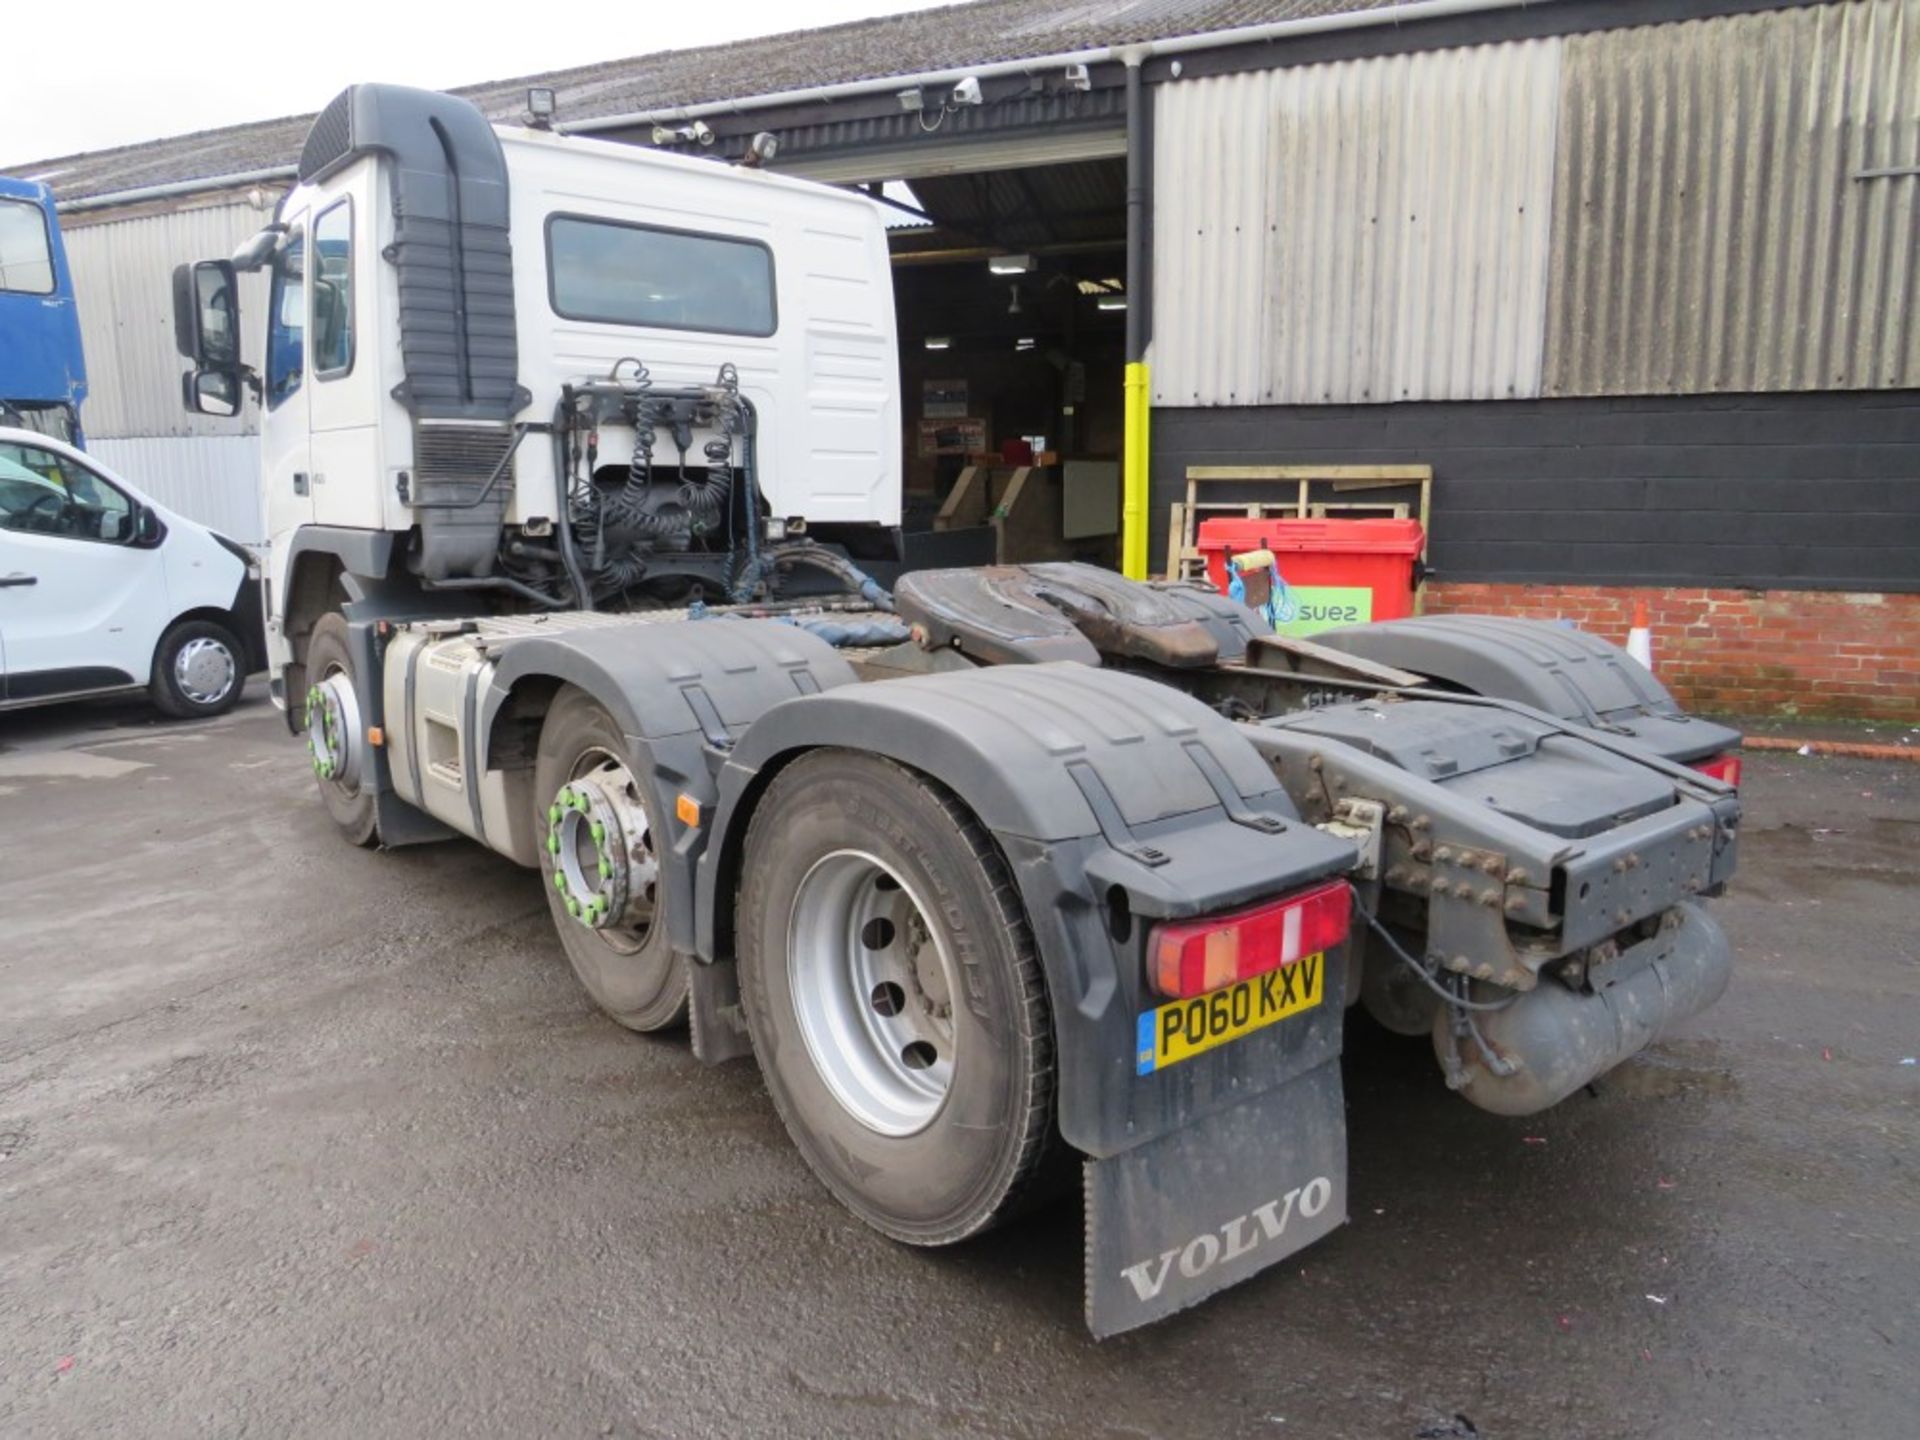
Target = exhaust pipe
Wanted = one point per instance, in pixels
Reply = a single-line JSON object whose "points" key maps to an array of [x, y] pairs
{"points": [[1554, 1040]]}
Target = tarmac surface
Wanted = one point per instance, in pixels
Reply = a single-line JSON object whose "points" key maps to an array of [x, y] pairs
{"points": [[302, 1139]]}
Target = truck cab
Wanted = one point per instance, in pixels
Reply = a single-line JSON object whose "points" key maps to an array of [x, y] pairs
{"points": [[448, 324], [43, 374]]}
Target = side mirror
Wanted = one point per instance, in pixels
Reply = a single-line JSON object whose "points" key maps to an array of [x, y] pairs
{"points": [[211, 392], [147, 528], [206, 314]]}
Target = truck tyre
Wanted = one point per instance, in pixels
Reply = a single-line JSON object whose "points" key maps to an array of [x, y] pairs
{"points": [[894, 997], [336, 737], [198, 670], [598, 827]]}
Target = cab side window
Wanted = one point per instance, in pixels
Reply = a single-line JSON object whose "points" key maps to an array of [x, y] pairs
{"points": [[287, 334], [333, 292], [42, 493], [26, 253]]}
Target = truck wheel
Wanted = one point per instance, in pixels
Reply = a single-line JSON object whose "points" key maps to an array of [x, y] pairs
{"points": [[598, 829], [894, 997], [336, 734], [197, 670]]}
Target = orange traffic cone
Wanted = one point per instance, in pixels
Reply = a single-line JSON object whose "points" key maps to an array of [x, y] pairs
{"points": [[1640, 637]]}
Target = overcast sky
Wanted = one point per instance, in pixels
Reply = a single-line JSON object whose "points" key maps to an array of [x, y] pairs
{"points": [[131, 70]]}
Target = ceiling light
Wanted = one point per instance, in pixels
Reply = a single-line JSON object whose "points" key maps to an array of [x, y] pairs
{"points": [[1010, 264], [1112, 302], [1025, 342], [540, 106], [939, 342]]}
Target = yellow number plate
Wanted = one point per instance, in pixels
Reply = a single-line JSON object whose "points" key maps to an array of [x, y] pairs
{"points": [[1186, 1028]]}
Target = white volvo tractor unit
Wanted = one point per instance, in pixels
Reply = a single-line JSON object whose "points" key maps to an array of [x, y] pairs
{"points": [[573, 453]]}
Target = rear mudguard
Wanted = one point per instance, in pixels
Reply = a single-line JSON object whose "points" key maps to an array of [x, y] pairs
{"points": [[1118, 803], [681, 693], [1567, 673]]}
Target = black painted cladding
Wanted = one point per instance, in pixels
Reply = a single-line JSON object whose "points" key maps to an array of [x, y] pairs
{"points": [[1809, 492]]}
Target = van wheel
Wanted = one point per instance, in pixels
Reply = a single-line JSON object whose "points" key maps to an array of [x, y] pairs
{"points": [[197, 670], [598, 835], [336, 732], [895, 998]]}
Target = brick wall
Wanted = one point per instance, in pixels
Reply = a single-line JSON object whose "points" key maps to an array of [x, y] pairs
{"points": [[1749, 652]]}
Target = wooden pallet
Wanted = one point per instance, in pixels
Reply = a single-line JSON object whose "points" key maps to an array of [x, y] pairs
{"points": [[1184, 560]]}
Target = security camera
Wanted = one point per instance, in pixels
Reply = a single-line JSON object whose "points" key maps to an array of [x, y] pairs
{"points": [[1077, 78], [703, 132], [967, 92], [760, 149]]}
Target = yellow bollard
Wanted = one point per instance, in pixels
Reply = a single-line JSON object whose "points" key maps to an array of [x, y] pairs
{"points": [[1133, 505]]}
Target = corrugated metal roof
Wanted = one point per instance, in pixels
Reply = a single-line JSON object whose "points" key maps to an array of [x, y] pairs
{"points": [[1713, 229], [123, 279], [1367, 230], [1042, 205], [952, 36]]}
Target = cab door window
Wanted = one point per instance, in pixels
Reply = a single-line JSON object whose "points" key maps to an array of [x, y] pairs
{"points": [[333, 292], [26, 251], [43, 493], [287, 331]]}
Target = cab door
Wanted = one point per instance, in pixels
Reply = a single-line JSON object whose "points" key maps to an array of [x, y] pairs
{"points": [[344, 394], [83, 594], [286, 418]]}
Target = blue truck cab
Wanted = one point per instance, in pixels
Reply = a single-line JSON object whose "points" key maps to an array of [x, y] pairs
{"points": [[43, 373]]}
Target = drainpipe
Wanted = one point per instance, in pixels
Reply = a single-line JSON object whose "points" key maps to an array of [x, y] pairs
{"points": [[1135, 401]]}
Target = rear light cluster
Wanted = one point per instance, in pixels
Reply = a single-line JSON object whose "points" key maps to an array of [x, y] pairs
{"points": [[1724, 768], [1198, 956]]}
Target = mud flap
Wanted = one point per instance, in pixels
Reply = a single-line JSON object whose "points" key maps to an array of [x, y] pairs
{"points": [[1209, 1205]]}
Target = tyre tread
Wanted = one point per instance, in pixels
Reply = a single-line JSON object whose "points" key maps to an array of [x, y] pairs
{"points": [[1033, 1174]]}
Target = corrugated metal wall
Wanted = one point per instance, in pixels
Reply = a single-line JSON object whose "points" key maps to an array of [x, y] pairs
{"points": [[1714, 226], [205, 468], [214, 479], [123, 281], [1362, 231], [1666, 209]]}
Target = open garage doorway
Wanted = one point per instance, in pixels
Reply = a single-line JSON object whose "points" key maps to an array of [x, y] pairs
{"points": [[1011, 308]]}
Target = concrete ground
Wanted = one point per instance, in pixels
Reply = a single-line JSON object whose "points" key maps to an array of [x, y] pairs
{"points": [[301, 1139]]}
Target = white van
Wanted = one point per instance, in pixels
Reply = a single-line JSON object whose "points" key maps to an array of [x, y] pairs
{"points": [[102, 590]]}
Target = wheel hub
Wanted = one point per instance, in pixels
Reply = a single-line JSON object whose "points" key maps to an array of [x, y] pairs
{"points": [[873, 991], [603, 861], [204, 669], [335, 739]]}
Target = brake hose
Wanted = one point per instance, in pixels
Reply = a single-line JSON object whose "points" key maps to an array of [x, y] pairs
{"points": [[1426, 978]]}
